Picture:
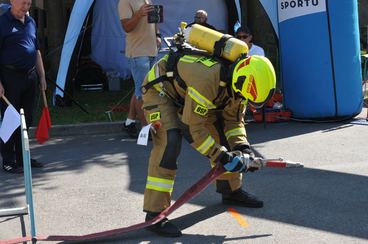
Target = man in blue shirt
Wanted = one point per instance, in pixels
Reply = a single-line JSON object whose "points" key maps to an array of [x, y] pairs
{"points": [[21, 67]]}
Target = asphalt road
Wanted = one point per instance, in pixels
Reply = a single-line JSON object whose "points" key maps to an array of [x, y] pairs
{"points": [[93, 183]]}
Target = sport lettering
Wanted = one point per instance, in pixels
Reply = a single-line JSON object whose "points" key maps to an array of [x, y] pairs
{"points": [[289, 9], [298, 4]]}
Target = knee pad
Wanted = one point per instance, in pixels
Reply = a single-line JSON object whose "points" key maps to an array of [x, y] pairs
{"points": [[172, 150]]}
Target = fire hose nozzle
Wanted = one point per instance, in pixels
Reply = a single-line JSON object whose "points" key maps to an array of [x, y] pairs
{"points": [[258, 162]]}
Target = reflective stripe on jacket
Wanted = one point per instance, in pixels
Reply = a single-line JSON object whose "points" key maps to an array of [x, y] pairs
{"points": [[202, 97]]}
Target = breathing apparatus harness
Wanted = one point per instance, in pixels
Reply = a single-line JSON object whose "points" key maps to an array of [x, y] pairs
{"points": [[179, 48]]}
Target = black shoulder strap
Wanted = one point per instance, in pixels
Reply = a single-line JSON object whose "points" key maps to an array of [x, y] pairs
{"points": [[172, 61], [172, 66], [150, 84]]}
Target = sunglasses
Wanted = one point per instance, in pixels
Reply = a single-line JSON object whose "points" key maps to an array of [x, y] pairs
{"points": [[242, 36]]}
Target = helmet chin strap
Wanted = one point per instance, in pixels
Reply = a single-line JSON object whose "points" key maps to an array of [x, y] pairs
{"points": [[260, 105], [255, 105], [238, 94]]}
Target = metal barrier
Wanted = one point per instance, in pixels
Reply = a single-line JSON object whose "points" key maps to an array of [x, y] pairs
{"points": [[28, 209]]}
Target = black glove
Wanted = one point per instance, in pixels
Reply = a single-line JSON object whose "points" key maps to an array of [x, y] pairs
{"points": [[246, 150], [233, 161], [249, 152]]}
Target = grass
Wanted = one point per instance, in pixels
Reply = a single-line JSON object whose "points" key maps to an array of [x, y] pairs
{"points": [[102, 106]]}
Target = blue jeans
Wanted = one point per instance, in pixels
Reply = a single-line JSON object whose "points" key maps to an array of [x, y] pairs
{"points": [[140, 66]]}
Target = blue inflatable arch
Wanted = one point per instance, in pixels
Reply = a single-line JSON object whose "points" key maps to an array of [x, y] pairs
{"points": [[320, 56]]}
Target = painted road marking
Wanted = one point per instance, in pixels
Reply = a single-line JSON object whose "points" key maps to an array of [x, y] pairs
{"points": [[241, 220]]}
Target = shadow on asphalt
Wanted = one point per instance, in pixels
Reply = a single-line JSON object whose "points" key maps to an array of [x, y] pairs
{"points": [[185, 239], [260, 132], [319, 199]]}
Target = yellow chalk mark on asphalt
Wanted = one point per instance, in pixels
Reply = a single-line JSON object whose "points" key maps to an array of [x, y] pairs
{"points": [[241, 220]]}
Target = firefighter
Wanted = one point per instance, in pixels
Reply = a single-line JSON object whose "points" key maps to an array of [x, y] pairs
{"points": [[201, 99]]}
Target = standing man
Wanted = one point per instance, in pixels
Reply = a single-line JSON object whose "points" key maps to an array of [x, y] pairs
{"points": [[21, 67], [141, 48]]}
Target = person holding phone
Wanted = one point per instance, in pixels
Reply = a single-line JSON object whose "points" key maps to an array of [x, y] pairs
{"points": [[141, 47]]}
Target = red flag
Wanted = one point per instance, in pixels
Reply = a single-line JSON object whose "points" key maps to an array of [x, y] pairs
{"points": [[42, 131]]}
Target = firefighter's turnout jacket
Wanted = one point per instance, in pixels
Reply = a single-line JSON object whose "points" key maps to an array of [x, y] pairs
{"points": [[190, 99]]}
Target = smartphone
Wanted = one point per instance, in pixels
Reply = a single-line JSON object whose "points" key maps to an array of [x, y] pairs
{"points": [[157, 15]]}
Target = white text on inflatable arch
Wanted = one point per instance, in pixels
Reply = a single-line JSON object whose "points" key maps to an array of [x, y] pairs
{"points": [[289, 9]]}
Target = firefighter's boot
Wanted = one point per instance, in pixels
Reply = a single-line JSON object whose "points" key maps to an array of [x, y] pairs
{"points": [[164, 227], [241, 198]]}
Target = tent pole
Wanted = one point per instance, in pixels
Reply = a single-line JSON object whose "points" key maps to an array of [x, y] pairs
{"points": [[70, 96], [85, 26]]}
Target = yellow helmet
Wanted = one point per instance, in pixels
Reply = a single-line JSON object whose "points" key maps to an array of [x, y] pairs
{"points": [[254, 78]]}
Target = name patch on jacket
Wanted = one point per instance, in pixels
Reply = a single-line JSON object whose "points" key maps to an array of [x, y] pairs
{"points": [[155, 116], [201, 110], [209, 62]]}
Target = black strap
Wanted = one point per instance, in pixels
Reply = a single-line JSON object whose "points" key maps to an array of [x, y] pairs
{"points": [[181, 82], [220, 44], [172, 61], [150, 84], [171, 66], [225, 73]]}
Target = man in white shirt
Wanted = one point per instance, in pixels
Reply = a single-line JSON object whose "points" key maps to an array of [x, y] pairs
{"points": [[243, 33]]}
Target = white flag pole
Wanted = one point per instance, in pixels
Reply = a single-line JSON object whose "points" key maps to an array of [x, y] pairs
{"points": [[6, 100]]}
